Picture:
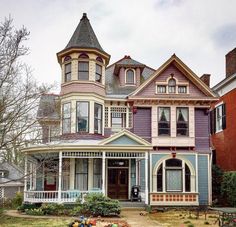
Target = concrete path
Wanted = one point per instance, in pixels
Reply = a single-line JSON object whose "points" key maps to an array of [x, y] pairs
{"points": [[134, 219]]}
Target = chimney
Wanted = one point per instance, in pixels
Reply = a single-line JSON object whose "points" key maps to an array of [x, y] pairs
{"points": [[230, 60], [206, 79]]}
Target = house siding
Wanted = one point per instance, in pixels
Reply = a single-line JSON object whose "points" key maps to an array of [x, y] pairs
{"points": [[141, 118], [203, 179], [202, 133]]}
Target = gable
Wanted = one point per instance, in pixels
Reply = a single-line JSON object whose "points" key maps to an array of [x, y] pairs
{"points": [[162, 78], [123, 140]]}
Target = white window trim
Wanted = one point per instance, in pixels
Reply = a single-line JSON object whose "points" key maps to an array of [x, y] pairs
{"points": [[127, 84], [217, 106]]}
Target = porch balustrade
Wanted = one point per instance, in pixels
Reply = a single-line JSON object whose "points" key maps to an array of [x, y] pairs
{"points": [[54, 196]]}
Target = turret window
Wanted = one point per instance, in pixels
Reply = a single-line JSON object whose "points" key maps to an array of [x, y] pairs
{"points": [[98, 76], [99, 59], [98, 118], [82, 116], [83, 73], [66, 118], [130, 77], [67, 72]]}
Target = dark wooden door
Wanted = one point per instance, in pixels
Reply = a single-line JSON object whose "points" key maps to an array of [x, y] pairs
{"points": [[118, 183]]}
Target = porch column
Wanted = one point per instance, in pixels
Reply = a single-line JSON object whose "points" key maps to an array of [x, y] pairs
{"points": [[72, 174], [146, 178], [60, 175], [103, 171], [25, 177]]}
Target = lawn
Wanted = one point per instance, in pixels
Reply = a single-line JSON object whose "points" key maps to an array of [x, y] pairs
{"points": [[185, 219]]}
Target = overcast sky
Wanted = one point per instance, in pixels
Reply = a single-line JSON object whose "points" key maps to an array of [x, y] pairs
{"points": [[199, 32]]}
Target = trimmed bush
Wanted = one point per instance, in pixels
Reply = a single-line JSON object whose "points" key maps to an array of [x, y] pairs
{"points": [[228, 187], [37, 212], [27, 206], [18, 199], [52, 209]]}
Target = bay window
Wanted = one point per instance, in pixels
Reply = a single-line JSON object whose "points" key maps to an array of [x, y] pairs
{"points": [[66, 118], [164, 121], [67, 72], [182, 124], [82, 116], [97, 118]]}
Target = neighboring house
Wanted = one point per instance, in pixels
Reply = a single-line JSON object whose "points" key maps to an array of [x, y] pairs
{"points": [[11, 180], [223, 123], [121, 125]]}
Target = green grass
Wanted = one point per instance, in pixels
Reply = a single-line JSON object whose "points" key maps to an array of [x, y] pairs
{"points": [[7, 221]]}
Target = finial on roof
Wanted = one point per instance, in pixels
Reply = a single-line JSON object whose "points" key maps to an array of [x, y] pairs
{"points": [[84, 16], [173, 55]]}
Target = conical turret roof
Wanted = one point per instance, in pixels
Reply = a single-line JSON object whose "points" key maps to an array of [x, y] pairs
{"points": [[84, 36]]}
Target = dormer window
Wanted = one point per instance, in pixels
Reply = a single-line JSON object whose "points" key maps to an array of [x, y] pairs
{"points": [[83, 68], [98, 76], [129, 77], [171, 86]]}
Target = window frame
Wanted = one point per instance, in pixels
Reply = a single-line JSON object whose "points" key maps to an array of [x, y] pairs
{"points": [[185, 89], [82, 173], [63, 118], [83, 71], [98, 74], [178, 128], [67, 74], [159, 122], [126, 75], [97, 174], [161, 86], [172, 86], [97, 119], [88, 110]]}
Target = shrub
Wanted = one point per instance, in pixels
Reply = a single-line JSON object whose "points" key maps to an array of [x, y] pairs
{"points": [[98, 205], [217, 175], [191, 225], [228, 187], [53, 209], [18, 199], [27, 206], [36, 211]]}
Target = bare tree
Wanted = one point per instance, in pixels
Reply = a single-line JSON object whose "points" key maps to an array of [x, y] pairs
{"points": [[19, 94]]}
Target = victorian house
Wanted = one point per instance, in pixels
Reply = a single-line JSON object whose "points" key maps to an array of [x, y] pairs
{"points": [[118, 125]]}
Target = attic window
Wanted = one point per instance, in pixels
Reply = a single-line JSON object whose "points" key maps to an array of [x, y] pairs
{"points": [[182, 89], [171, 85], [129, 76]]}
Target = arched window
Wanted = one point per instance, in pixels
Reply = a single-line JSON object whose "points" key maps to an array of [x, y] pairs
{"points": [[99, 59], [67, 58], [129, 76], [83, 68], [171, 85], [173, 173], [83, 55]]}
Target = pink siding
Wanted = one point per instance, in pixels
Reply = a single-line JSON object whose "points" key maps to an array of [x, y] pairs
{"points": [[150, 90], [83, 87]]}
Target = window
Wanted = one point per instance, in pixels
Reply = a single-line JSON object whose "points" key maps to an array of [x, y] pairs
{"points": [[171, 85], [174, 171], [161, 89], [129, 76], [82, 116], [182, 89], [118, 121], [97, 173], [83, 73], [98, 76], [98, 118], [99, 59], [164, 121], [66, 118], [67, 72], [220, 118], [81, 174], [182, 121]]}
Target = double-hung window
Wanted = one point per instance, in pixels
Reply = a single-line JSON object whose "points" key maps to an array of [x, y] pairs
{"points": [[130, 76], [118, 121], [98, 118], [83, 73], [67, 72], [182, 124], [98, 76], [66, 118], [82, 116], [81, 174], [220, 117], [164, 121]]}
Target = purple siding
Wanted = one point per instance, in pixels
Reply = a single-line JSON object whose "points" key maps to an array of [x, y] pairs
{"points": [[142, 123], [202, 134]]}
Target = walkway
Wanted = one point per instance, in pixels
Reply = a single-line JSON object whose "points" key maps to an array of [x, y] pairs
{"points": [[134, 219]]}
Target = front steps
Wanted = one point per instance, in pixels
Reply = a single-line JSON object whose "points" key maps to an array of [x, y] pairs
{"points": [[132, 205]]}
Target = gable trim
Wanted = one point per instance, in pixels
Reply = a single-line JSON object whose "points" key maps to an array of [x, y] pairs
{"points": [[127, 133], [203, 87]]}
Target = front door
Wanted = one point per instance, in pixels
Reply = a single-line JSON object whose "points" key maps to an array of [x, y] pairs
{"points": [[50, 181], [118, 183]]}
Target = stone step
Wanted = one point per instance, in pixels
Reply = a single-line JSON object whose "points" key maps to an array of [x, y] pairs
{"points": [[129, 204]]}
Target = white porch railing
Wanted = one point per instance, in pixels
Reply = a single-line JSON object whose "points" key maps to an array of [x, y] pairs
{"points": [[174, 199], [69, 196]]}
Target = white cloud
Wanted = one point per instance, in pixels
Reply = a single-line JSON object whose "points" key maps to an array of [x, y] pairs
{"points": [[199, 32]]}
